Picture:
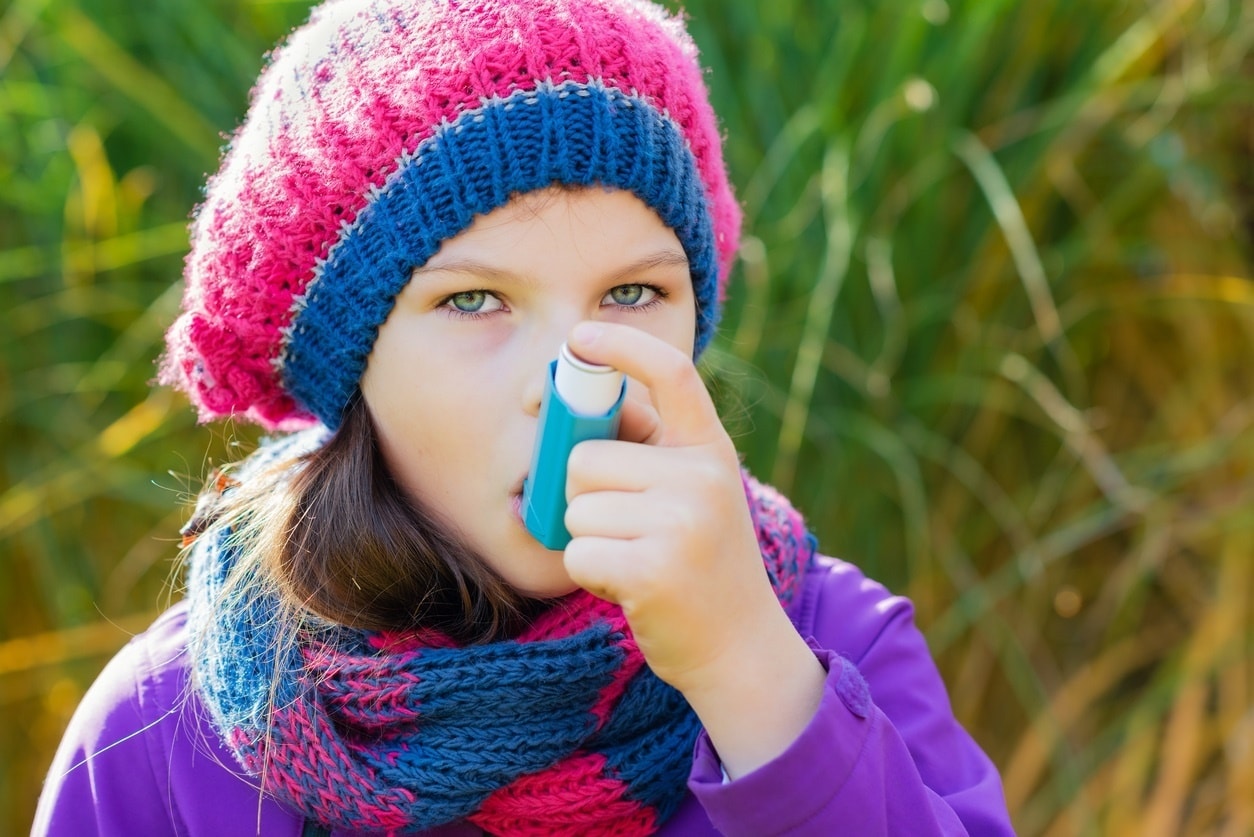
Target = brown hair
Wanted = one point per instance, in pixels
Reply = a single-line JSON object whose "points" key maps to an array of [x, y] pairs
{"points": [[338, 537]]}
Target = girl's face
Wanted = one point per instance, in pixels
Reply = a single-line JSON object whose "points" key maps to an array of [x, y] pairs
{"points": [[456, 375]]}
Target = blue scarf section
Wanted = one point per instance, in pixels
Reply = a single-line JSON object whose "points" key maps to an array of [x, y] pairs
{"points": [[563, 729]]}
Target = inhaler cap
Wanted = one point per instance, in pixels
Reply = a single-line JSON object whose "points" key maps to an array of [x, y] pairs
{"points": [[589, 389]]}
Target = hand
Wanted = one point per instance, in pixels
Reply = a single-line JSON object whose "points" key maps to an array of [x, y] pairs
{"points": [[660, 525]]}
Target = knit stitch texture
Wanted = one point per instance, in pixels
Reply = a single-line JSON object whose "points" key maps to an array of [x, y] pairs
{"points": [[382, 128], [561, 730]]}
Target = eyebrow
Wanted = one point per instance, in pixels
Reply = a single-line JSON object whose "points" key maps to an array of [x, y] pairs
{"points": [[662, 258]]}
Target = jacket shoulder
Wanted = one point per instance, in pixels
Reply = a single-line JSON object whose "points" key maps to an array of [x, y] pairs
{"points": [[140, 755], [105, 777]]}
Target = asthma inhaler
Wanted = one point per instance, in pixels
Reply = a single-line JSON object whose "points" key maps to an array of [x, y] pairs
{"points": [[581, 401]]}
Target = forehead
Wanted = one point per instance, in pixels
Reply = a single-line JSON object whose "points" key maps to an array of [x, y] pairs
{"points": [[600, 225]]}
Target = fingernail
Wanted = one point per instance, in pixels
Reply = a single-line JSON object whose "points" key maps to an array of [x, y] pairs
{"points": [[585, 334]]}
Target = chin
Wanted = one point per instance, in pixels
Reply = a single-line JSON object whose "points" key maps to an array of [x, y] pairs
{"points": [[550, 585], [546, 589], [534, 571]]}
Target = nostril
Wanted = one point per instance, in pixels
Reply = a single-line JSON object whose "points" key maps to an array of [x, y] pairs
{"points": [[534, 393]]}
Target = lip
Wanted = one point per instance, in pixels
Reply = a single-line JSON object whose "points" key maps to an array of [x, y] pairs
{"points": [[515, 498]]}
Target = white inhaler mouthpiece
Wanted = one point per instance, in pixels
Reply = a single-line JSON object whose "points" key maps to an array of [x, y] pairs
{"points": [[588, 389]]}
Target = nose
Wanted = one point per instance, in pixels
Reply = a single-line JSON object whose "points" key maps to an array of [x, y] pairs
{"points": [[547, 343], [533, 392]]}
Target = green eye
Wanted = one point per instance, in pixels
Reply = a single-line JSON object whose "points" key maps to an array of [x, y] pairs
{"points": [[630, 296], [472, 304], [627, 294], [469, 302]]}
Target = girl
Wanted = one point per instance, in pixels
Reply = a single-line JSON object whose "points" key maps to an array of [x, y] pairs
{"points": [[426, 199]]}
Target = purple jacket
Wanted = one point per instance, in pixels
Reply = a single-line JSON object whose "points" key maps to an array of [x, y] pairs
{"points": [[883, 755]]}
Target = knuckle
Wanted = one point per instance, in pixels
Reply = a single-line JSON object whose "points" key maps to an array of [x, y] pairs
{"points": [[707, 477], [581, 466], [575, 515], [578, 560], [710, 474], [577, 466], [575, 553], [677, 371], [579, 460], [678, 517]]}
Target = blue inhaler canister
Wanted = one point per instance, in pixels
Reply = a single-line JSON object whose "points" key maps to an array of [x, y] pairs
{"points": [[581, 401]]}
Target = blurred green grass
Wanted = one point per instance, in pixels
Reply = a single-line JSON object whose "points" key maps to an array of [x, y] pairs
{"points": [[991, 330]]}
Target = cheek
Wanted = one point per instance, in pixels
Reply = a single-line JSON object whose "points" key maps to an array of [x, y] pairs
{"points": [[405, 399], [429, 444], [418, 374], [437, 418]]}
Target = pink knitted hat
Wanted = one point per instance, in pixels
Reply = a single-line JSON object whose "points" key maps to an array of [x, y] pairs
{"points": [[382, 128]]}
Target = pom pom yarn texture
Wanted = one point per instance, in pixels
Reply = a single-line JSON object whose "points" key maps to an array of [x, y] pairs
{"points": [[379, 130]]}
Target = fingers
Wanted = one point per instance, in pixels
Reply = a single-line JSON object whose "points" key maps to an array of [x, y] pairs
{"points": [[639, 422], [627, 572], [687, 414], [600, 465], [600, 565], [609, 514]]}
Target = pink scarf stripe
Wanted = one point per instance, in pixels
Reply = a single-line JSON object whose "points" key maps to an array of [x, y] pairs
{"points": [[594, 804], [329, 784]]}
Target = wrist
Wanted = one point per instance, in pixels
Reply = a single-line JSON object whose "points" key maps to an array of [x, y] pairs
{"points": [[758, 699]]}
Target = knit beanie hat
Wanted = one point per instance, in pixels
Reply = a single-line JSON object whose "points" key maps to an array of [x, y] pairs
{"points": [[382, 128]]}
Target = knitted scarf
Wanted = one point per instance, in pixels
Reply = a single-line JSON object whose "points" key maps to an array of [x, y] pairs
{"points": [[561, 730]]}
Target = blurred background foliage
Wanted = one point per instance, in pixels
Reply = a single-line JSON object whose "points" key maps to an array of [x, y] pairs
{"points": [[991, 330]]}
